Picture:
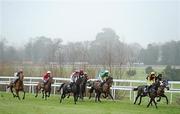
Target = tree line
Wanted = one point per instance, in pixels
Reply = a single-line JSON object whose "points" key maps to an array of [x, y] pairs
{"points": [[107, 49]]}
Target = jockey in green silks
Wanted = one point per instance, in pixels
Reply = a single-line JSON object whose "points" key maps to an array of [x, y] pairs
{"points": [[102, 76]]}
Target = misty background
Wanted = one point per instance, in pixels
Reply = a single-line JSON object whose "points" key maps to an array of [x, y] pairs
{"points": [[109, 33], [140, 21]]}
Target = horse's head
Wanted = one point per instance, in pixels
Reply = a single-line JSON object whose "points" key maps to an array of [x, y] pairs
{"points": [[51, 80], [89, 83], [159, 77], [165, 84], [85, 78], [21, 76], [109, 80]]}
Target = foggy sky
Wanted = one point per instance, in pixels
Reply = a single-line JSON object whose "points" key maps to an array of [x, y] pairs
{"points": [[141, 21]]}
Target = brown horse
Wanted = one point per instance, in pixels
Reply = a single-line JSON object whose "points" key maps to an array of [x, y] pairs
{"points": [[18, 86], [45, 88], [104, 89]]}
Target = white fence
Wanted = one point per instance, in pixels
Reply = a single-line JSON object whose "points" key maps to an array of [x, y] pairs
{"points": [[31, 82]]}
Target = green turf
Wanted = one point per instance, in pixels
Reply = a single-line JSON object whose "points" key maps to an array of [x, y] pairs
{"points": [[32, 105]]}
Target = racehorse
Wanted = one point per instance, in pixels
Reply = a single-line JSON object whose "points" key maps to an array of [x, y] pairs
{"points": [[68, 88], [141, 89], [82, 86], [152, 93], [18, 86], [46, 89], [158, 91], [104, 89]]}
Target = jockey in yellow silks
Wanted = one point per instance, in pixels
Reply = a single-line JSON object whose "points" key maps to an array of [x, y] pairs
{"points": [[150, 80]]}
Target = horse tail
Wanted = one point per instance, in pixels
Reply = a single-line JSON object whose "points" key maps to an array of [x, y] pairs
{"points": [[135, 89], [60, 87]]}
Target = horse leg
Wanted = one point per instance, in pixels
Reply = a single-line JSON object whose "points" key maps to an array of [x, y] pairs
{"points": [[49, 92], [90, 91], [166, 98], [96, 97], [75, 97], [105, 95], [17, 94], [68, 95], [159, 99], [99, 97], [155, 102], [37, 90], [111, 96], [136, 98], [62, 97], [43, 94], [46, 95], [23, 94], [80, 91], [11, 89], [140, 100], [149, 102]]}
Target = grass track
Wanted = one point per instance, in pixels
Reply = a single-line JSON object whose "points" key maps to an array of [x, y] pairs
{"points": [[32, 105]]}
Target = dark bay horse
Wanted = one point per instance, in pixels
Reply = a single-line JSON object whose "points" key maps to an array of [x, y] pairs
{"points": [[66, 89], [158, 91], [82, 86], [104, 89], [46, 89], [18, 86], [141, 89], [78, 88]]}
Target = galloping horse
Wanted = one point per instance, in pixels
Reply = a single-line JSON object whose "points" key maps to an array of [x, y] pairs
{"points": [[157, 91], [18, 86], [82, 86], [45, 88], [140, 89], [160, 91], [104, 89], [74, 88]]}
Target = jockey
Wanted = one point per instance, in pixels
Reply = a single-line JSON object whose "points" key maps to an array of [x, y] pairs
{"points": [[16, 75], [150, 80], [81, 72], [74, 76], [103, 76], [46, 77], [85, 75]]}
